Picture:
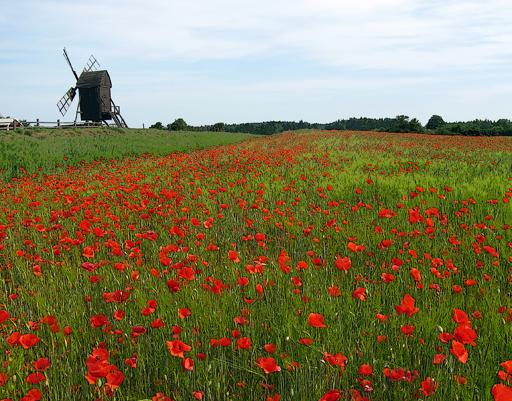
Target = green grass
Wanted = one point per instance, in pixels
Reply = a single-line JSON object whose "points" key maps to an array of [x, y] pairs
{"points": [[30, 150]]}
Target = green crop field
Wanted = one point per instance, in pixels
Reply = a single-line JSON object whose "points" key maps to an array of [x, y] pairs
{"points": [[302, 266], [30, 150]]}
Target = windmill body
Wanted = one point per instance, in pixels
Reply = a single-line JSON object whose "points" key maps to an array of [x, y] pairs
{"points": [[95, 100], [94, 89]]}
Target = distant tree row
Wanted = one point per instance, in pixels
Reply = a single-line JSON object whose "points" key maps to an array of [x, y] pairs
{"points": [[178, 125], [502, 127], [402, 123]]}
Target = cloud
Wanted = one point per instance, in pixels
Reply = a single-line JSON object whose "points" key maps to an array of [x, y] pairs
{"points": [[401, 34], [162, 51]]}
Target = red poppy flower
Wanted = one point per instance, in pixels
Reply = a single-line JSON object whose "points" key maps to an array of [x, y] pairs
{"points": [[270, 348], [359, 293], [157, 323], [187, 364], [428, 387], [445, 336], [336, 360], [244, 343], [306, 341], [500, 392], [32, 395], [224, 342], [184, 313], [331, 395], [387, 278], [88, 252], [343, 264], [119, 314], [161, 397], [131, 362], [3, 379], [459, 351], [365, 370], [439, 359], [268, 364], [334, 291], [465, 334], [28, 340], [35, 378], [42, 364], [177, 348], [407, 330], [4, 315], [381, 318], [407, 306], [355, 248], [98, 321], [114, 377], [460, 317], [507, 365], [233, 256], [173, 285], [316, 320]]}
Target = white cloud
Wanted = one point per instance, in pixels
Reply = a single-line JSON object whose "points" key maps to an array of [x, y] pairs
{"points": [[412, 34], [375, 48]]}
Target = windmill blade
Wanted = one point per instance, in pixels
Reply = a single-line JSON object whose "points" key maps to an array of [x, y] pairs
{"points": [[69, 63], [65, 101], [91, 65]]}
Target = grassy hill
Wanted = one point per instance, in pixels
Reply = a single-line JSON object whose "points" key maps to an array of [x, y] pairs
{"points": [[27, 150]]}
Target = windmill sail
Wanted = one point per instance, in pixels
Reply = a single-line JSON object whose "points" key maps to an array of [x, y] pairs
{"points": [[65, 101], [91, 65]]}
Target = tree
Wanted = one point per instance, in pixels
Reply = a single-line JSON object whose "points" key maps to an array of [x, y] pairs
{"points": [[178, 125], [435, 122], [218, 127], [415, 125], [157, 125], [402, 123]]}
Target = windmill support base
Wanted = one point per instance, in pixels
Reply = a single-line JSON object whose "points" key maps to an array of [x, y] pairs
{"points": [[77, 113]]}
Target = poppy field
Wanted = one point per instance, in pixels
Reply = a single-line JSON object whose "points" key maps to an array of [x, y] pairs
{"points": [[302, 266], [47, 151]]}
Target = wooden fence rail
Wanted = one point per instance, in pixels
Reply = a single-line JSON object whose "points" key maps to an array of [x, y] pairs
{"points": [[58, 124]]}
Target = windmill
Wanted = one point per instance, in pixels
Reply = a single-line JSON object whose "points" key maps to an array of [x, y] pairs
{"points": [[95, 102]]}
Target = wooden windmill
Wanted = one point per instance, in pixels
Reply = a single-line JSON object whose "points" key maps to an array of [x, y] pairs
{"points": [[95, 101]]}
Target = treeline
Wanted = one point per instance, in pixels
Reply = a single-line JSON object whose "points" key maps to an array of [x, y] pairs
{"points": [[502, 127], [402, 123]]}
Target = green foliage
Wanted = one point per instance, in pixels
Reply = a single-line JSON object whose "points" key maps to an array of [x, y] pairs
{"points": [[398, 124], [218, 127], [502, 127], [435, 122], [157, 125], [401, 123], [178, 125]]}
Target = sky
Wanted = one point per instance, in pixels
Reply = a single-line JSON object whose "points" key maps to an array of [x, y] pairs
{"points": [[242, 60]]}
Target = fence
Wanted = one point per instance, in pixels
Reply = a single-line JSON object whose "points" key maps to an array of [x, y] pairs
{"points": [[59, 124]]}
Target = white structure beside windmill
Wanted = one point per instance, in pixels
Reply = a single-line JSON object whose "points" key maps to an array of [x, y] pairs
{"points": [[7, 123]]}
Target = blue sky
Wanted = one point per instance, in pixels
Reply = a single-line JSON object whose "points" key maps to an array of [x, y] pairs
{"points": [[240, 60]]}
